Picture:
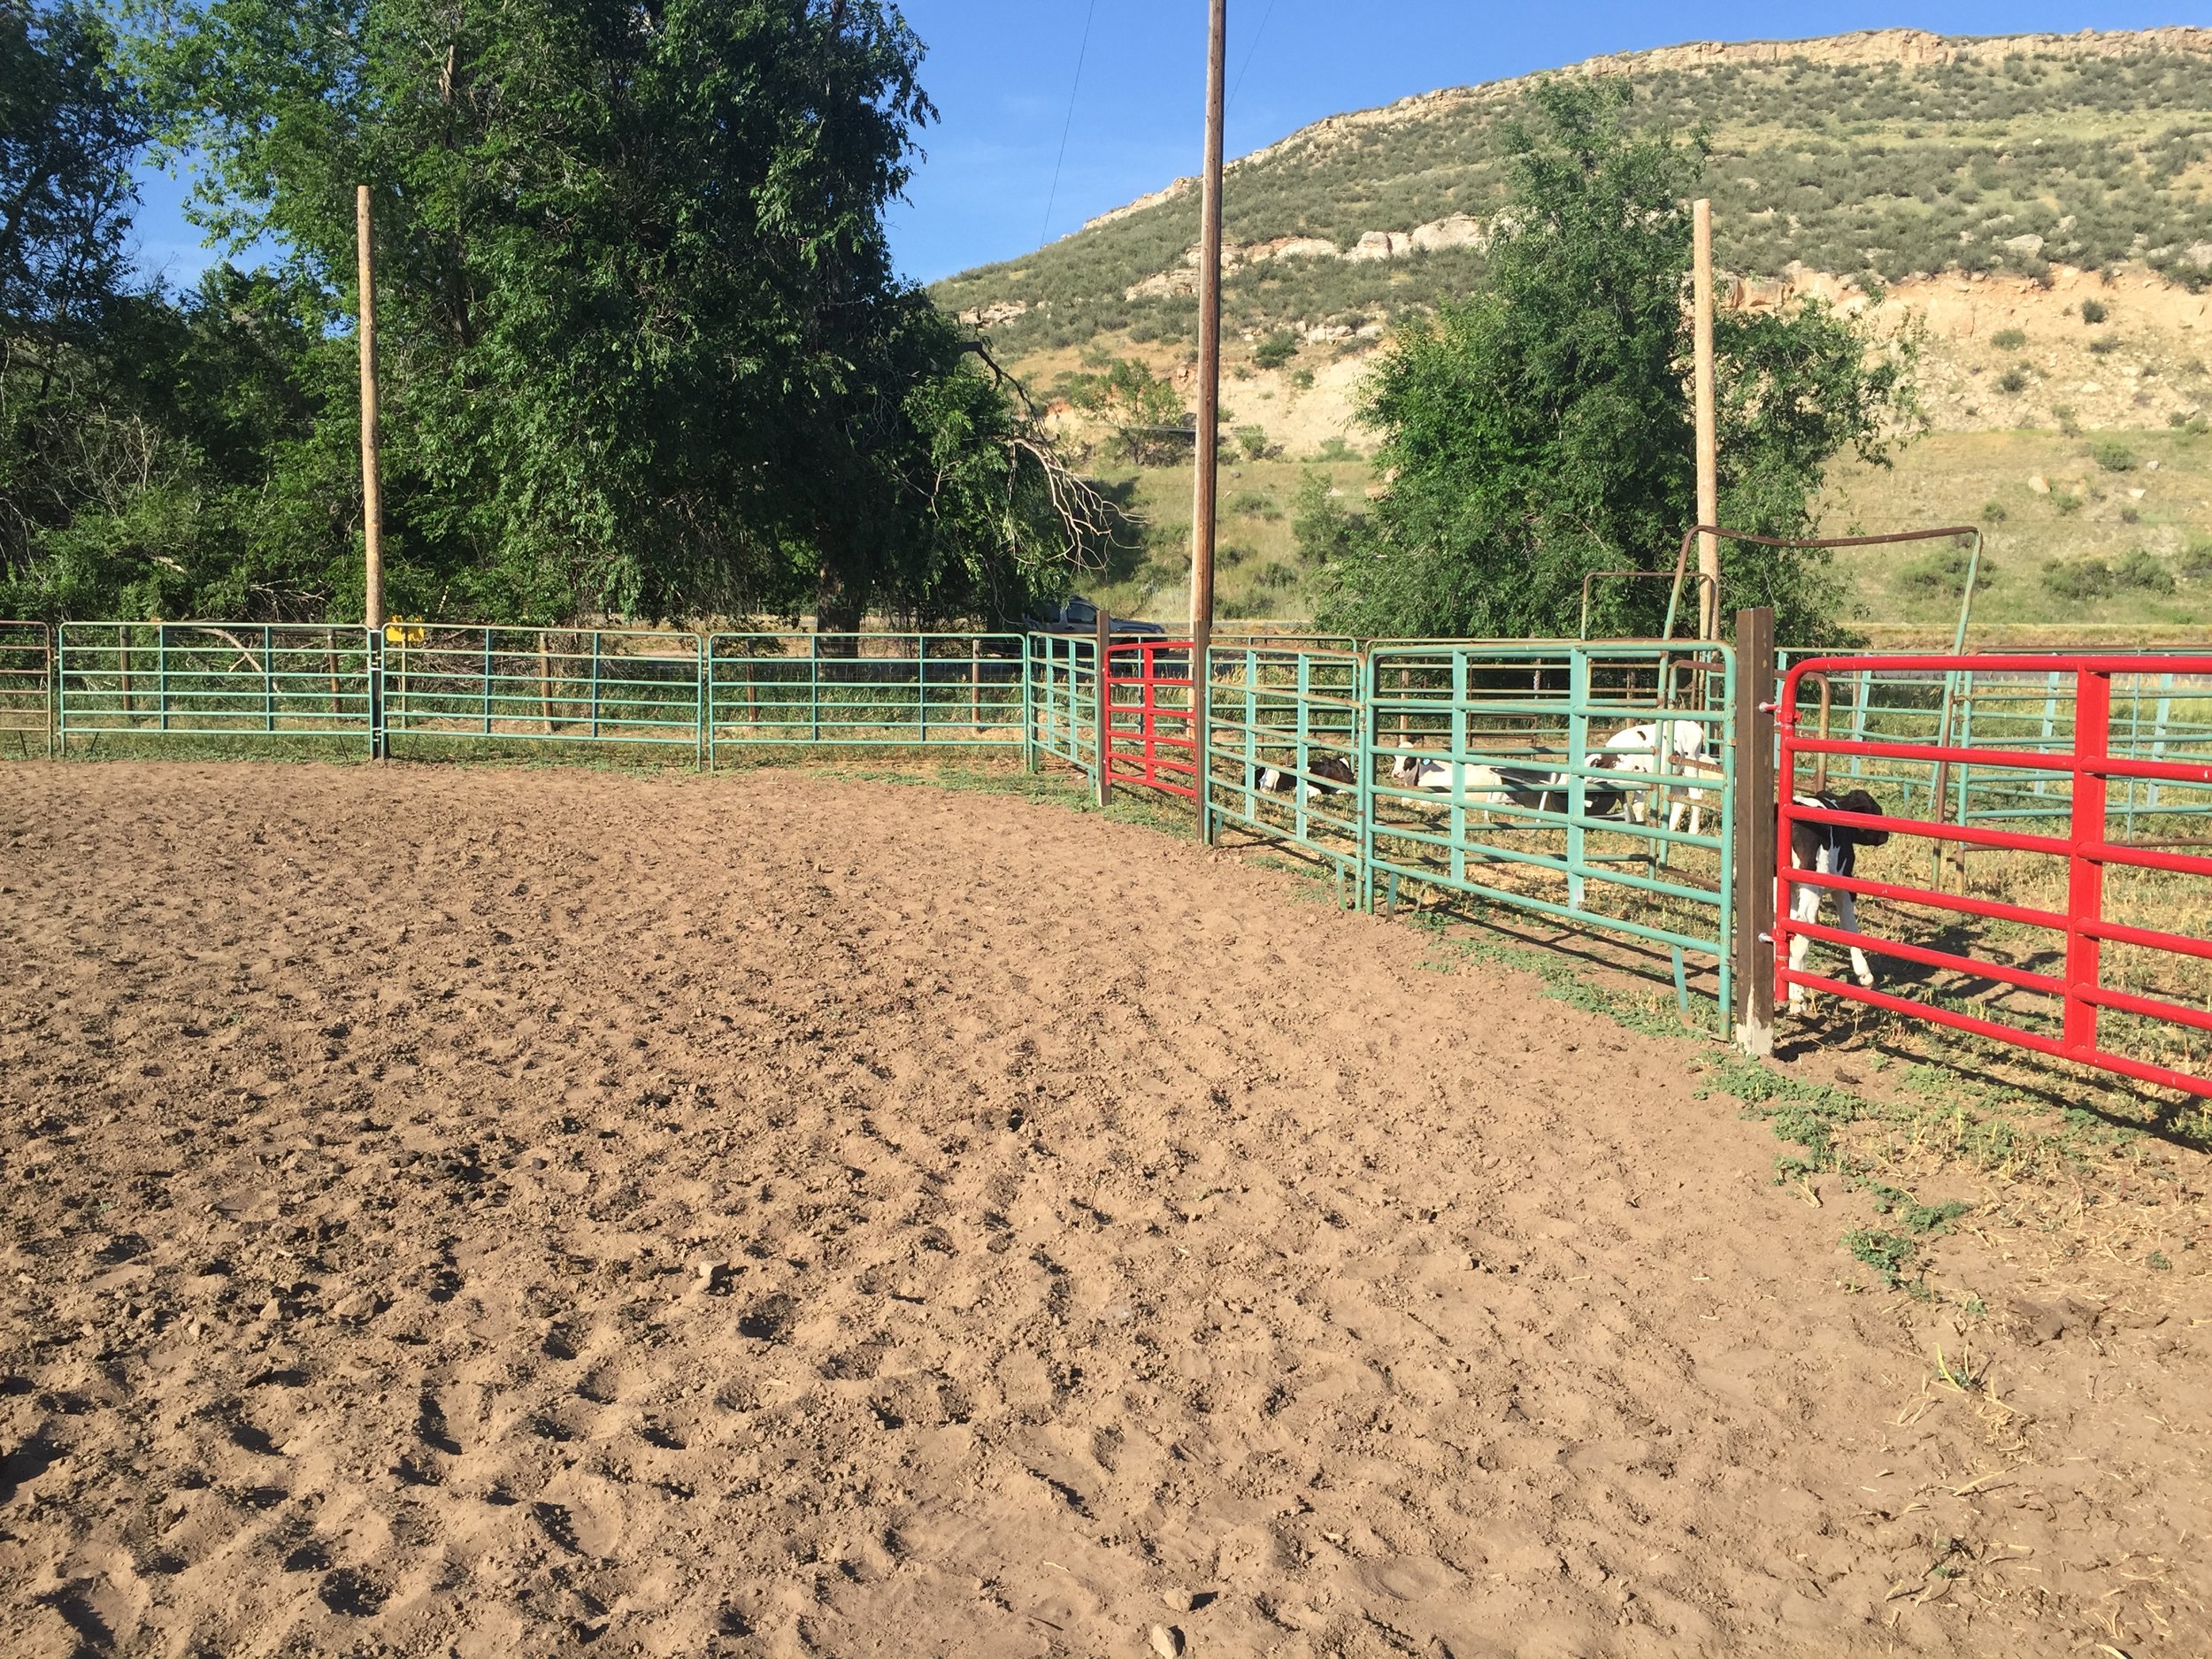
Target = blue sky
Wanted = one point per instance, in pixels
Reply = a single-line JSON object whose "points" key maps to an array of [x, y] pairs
{"points": [[1001, 72]]}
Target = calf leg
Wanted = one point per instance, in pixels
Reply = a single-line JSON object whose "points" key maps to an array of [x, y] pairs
{"points": [[1848, 918], [1804, 907]]}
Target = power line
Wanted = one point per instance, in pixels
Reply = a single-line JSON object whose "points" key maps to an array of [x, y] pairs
{"points": [[1081, 53], [1250, 52]]}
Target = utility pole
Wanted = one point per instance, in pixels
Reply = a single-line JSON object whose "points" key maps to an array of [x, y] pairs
{"points": [[1201, 531], [1708, 435], [372, 488]]}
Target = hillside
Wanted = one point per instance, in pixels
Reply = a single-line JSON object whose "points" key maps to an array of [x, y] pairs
{"points": [[2041, 206], [1888, 156]]}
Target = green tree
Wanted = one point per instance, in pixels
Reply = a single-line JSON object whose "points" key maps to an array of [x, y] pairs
{"points": [[1542, 428], [643, 350], [1144, 410], [68, 135]]}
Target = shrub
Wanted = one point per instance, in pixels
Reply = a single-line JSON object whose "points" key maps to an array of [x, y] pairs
{"points": [[1277, 349], [1251, 503], [2080, 579], [2012, 383], [1944, 574], [2008, 339], [1276, 574], [1993, 513], [2102, 346], [2093, 311], [2114, 457], [2196, 558], [1252, 441], [1303, 378], [2067, 424], [2067, 503], [2143, 570], [1322, 529]]}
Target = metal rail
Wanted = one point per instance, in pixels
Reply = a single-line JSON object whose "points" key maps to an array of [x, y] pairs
{"points": [[2069, 1021], [939, 691], [249, 681], [541, 686], [1285, 748], [27, 686], [1525, 808]]}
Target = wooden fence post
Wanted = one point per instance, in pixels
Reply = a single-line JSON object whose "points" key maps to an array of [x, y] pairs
{"points": [[1104, 644], [1757, 816]]}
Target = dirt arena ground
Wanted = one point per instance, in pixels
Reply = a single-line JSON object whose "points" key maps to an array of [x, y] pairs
{"points": [[519, 1212]]}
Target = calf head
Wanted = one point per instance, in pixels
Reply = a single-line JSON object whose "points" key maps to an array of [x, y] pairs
{"points": [[1859, 801]]}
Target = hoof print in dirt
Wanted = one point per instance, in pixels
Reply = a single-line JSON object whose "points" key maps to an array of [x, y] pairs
{"points": [[351, 1592], [770, 1320]]}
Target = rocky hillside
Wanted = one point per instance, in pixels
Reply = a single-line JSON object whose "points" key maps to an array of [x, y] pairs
{"points": [[1990, 185]]}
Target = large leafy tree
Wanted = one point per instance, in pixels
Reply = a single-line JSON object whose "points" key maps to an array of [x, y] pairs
{"points": [[1542, 428], [644, 350], [68, 135]]}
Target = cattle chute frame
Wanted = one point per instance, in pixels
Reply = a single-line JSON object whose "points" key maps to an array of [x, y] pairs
{"points": [[2109, 891]]}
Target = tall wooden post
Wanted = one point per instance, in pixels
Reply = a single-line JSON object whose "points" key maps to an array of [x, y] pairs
{"points": [[1758, 809], [1708, 435], [1205, 483], [372, 488], [1102, 650]]}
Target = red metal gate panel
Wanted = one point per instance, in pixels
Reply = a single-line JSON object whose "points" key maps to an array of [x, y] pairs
{"points": [[2082, 930], [1155, 740]]}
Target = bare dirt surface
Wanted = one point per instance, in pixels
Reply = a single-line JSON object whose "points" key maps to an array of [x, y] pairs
{"points": [[525, 1212]]}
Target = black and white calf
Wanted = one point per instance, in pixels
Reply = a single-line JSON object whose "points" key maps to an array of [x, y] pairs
{"points": [[1492, 787], [1330, 774], [1829, 849]]}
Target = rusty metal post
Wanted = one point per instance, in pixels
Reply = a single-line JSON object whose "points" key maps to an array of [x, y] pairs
{"points": [[1756, 838]]}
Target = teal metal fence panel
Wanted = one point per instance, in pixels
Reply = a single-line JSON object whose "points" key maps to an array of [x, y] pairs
{"points": [[1064, 700], [26, 688], [1513, 774], [474, 685], [1285, 750], [204, 679], [937, 691]]}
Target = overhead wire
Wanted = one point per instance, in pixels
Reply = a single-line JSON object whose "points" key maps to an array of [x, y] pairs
{"points": [[1251, 52], [1081, 52]]}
